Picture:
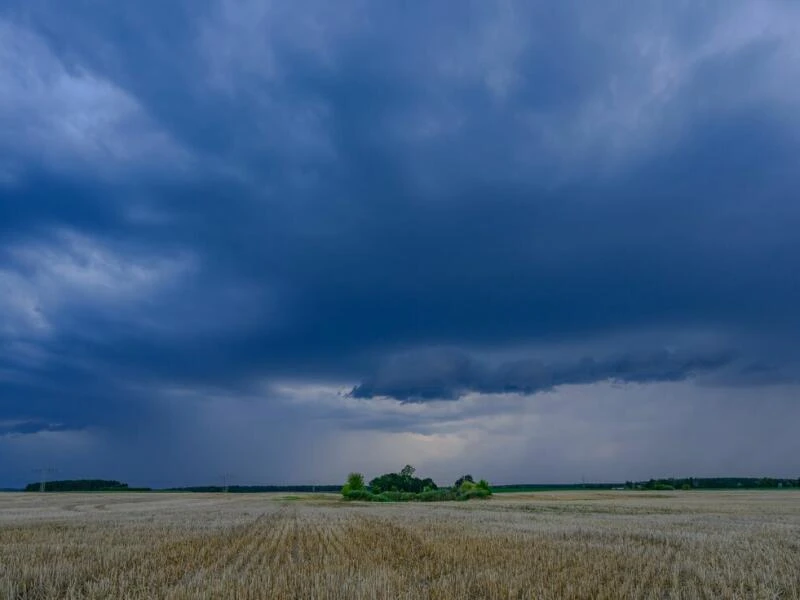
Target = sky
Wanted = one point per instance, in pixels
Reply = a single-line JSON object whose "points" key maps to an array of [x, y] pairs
{"points": [[532, 241]]}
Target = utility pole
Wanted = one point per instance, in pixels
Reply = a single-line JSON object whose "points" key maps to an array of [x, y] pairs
{"points": [[225, 479], [43, 473]]}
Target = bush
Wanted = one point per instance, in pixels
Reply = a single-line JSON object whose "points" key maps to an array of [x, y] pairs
{"points": [[474, 493], [466, 486], [405, 487], [460, 481], [397, 496], [363, 494], [437, 496]]}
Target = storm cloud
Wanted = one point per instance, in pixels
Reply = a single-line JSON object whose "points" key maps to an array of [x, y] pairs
{"points": [[450, 375], [287, 218]]}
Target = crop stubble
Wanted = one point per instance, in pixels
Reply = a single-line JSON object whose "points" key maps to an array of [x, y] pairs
{"points": [[576, 545]]}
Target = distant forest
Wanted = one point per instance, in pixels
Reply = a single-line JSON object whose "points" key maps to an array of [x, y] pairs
{"points": [[84, 485], [250, 489], [714, 483], [685, 483], [672, 483], [110, 485]]}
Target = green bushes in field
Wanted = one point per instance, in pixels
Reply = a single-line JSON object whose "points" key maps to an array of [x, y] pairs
{"points": [[475, 493], [405, 487], [358, 494]]}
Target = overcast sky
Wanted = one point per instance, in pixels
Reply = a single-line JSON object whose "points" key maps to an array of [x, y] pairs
{"points": [[534, 241]]}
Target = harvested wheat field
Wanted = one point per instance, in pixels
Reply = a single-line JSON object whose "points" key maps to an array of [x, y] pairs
{"points": [[544, 545]]}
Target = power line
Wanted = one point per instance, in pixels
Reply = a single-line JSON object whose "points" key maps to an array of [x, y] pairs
{"points": [[226, 477], [43, 473]]}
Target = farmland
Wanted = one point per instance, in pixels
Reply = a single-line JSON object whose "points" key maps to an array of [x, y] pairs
{"points": [[581, 544]]}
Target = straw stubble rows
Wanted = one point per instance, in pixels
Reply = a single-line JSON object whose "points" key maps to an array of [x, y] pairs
{"points": [[583, 545]]}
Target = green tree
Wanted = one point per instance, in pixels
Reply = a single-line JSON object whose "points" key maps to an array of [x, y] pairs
{"points": [[404, 481], [407, 472], [355, 481], [461, 480]]}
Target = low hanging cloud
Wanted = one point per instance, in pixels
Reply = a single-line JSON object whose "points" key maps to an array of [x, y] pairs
{"points": [[449, 375]]}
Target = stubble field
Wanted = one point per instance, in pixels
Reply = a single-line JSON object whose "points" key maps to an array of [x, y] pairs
{"points": [[544, 545]]}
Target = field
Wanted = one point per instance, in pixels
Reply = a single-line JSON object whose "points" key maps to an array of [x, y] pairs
{"points": [[543, 545]]}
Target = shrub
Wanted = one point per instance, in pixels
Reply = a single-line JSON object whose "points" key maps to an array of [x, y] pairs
{"points": [[397, 496], [405, 487], [440, 495], [474, 493], [437, 496], [363, 494], [460, 481], [466, 486]]}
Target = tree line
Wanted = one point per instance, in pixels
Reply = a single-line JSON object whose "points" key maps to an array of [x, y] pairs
{"points": [[111, 485], [714, 483], [84, 485], [254, 489]]}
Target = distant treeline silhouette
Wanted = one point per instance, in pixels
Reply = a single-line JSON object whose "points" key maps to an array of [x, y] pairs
{"points": [[684, 483], [250, 489], [714, 483], [111, 485], [672, 483], [84, 485]]}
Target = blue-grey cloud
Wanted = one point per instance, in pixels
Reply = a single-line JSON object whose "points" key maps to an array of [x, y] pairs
{"points": [[449, 375], [215, 194]]}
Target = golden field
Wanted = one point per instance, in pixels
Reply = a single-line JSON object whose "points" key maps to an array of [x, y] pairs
{"points": [[543, 545]]}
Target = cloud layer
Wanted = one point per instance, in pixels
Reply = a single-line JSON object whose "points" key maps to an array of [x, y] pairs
{"points": [[229, 200], [451, 375]]}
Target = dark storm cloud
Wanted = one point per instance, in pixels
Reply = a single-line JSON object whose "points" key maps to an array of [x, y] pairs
{"points": [[212, 194], [21, 427], [450, 375]]}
